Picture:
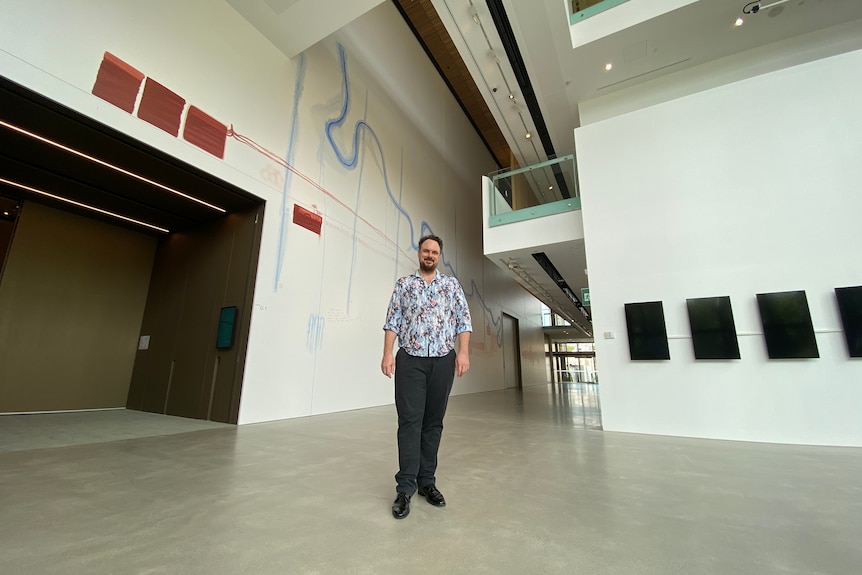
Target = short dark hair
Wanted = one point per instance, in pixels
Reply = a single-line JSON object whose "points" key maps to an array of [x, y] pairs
{"points": [[437, 239]]}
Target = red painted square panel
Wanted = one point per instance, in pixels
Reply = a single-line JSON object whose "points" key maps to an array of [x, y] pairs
{"points": [[205, 132], [118, 83], [307, 219], [161, 107]]}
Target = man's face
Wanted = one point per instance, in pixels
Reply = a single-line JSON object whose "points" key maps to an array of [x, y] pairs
{"points": [[429, 255]]}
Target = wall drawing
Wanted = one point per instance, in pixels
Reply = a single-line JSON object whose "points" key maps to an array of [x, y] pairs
{"points": [[126, 87]]}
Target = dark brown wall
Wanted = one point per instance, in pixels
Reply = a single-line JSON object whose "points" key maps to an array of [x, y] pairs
{"points": [[72, 297], [7, 226], [6, 229], [195, 275]]}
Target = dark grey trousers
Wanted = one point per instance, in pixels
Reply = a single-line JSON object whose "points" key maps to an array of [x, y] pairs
{"points": [[422, 386]]}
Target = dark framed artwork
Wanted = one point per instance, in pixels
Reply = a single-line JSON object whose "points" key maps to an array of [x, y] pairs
{"points": [[787, 326], [850, 310], [647, 331], [713, 331]]}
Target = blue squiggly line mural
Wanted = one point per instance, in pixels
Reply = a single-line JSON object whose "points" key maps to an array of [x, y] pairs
{"points": [[356, 218], [314, 332], [349, 159], [288, 175]]}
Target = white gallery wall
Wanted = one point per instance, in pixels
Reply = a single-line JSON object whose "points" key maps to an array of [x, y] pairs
{"points": [[741, 189], [328, 131]]}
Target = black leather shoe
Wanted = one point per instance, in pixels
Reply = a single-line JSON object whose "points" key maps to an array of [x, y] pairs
{"points": [[432, 495], [401, 506]]}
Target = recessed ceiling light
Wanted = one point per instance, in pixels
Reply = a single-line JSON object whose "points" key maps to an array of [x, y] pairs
{"points": [[528, 135], [739, 22], [550, 187], [511, 96], [79, 204], [609, 66]]}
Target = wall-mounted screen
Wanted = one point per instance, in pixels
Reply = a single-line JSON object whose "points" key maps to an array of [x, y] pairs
{"points": [[787, 325], [850, 309], [226, 323], [713, 331], [646, 329]]}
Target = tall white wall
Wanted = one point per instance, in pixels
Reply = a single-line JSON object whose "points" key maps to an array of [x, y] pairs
{"points": [[323, 131], [746, 188]]}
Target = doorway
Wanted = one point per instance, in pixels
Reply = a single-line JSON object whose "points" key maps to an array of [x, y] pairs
{"points": [[8, 215], [511, 353]]}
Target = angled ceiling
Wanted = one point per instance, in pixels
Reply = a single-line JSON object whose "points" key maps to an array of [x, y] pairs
{"points": [[50, 149], [523, 67], [686, 34], [512, 66]]}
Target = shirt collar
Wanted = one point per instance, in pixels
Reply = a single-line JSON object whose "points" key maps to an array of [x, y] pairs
{"points": [[436, 274]]}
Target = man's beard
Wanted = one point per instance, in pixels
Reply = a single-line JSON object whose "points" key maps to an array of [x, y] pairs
{"points": [[427, 268]]}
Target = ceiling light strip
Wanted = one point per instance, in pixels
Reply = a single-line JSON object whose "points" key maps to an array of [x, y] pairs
{"points": [[79, 204], [111, 166]]}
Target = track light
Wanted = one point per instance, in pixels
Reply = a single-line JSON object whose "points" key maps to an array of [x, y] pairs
{"points": [[82, 205], [109, 165]]}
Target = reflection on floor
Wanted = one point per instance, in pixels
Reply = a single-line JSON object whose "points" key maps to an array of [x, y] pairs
{"points": [[43, 430], [531, 485], [580, 401]]}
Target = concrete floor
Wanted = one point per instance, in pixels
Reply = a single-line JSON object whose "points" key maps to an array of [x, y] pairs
{"points": [[531, 488]]}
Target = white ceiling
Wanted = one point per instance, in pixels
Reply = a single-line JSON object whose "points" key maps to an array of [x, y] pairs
{"points": [[698, 37], [295, 25], [563, 78], [694, 44]]}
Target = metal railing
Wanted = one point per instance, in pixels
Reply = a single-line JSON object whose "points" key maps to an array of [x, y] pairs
{"points": [[583, 9], [542, 189]]}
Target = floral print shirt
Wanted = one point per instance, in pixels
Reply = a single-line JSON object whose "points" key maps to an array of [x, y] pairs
{"points": [[428, 317]]}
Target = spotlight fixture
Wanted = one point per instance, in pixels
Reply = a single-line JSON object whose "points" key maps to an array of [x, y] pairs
{"points": [[739, 22], [609, 66], [528, 135], [511, 96], [758, 5], [474, 14]]}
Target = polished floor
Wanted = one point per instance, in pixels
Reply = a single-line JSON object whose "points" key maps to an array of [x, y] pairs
{"points": [[533, 486]]}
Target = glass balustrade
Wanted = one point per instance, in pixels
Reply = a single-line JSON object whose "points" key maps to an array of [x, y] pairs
{"points": [[583, 9], [539, 190]]}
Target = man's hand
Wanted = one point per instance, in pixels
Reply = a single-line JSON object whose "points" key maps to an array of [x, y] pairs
{"points": [[387, 366], [462, 363], [462, 358]]}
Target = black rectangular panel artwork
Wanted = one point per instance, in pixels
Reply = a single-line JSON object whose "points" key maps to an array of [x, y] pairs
{"points": [[646, 329], [787, 325], [713, 331], [850, 309]]}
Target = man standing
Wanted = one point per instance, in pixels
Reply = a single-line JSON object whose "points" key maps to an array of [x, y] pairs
{"points": [[427, 313]]}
